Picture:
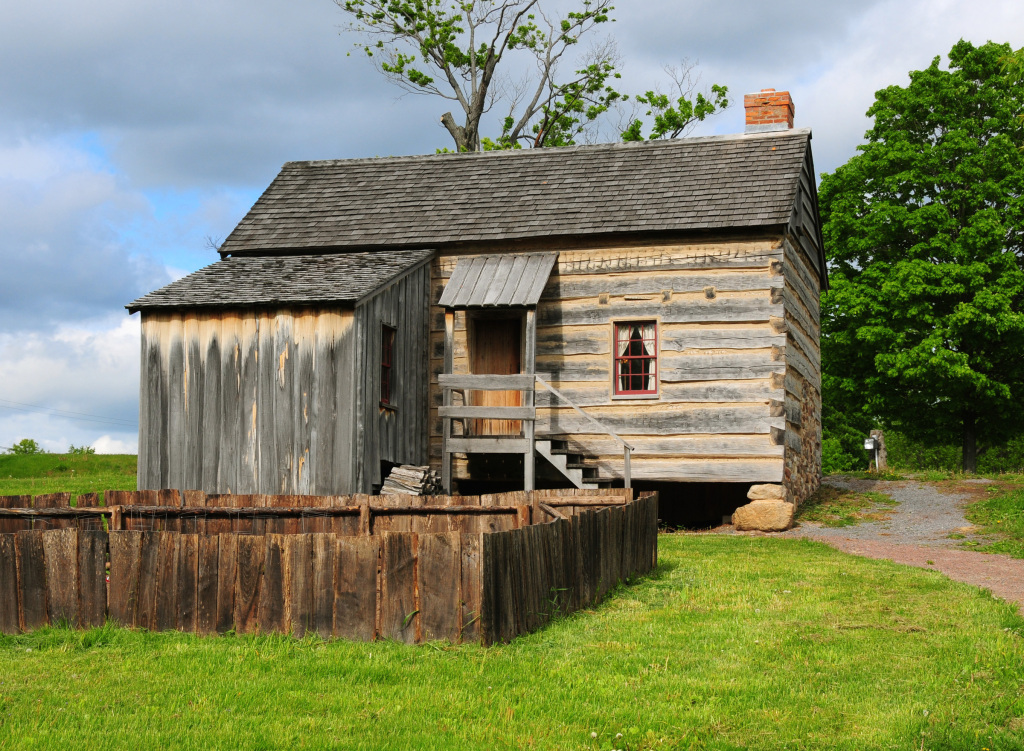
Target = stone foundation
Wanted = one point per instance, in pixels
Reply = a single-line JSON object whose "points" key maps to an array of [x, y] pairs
{"points": [[768, 511], [803, 455]]}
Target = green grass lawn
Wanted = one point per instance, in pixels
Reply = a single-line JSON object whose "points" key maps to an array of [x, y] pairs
{"points": [[1000, 518], [65, 473], [736, 642]]}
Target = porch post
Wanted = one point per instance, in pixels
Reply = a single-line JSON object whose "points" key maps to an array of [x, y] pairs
{"points": [[529, 367], [446, 398]]}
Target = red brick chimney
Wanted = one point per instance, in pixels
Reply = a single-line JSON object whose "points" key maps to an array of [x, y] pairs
{"points": [[768, 110]]}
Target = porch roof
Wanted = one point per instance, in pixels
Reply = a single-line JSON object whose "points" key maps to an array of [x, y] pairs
{"points": [[512, 280]]}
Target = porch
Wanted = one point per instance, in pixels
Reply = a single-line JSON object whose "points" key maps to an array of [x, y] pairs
{"points": [[492, 409]]}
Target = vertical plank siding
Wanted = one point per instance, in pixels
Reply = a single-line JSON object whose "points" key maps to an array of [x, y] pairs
{"points": [[246, 402], [398, 433], [532, 574], [412, 586]]}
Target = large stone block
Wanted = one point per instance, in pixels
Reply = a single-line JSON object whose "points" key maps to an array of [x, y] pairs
{"points": [[764, 516], [766, 493]]}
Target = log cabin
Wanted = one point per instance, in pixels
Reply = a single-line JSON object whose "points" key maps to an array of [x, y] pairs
{"points": [[641, 314]]}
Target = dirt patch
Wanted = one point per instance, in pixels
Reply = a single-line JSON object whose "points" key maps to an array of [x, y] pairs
{"points": [[833, 506]]}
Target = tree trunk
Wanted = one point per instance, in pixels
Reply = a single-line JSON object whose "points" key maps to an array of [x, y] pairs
{"points": [[970, 453], [464, 140]]}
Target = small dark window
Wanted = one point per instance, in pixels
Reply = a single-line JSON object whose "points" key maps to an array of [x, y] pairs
{"points": [[636, 357], [387, 354]]}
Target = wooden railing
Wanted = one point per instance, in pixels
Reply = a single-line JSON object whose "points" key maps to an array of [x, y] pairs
{"points": [[524, 444], [627, 450], [487, 445]]}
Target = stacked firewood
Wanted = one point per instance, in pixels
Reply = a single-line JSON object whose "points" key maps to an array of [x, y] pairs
{"points": [[410, 480]]}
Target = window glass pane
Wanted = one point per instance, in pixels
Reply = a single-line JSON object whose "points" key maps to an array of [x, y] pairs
{"points": [[636, 357], [387, 346]]}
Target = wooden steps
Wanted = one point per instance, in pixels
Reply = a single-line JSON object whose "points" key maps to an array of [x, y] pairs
{"points": [[571, 465]]}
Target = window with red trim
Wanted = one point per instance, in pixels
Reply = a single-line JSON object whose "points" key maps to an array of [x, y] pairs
{"points": [[636, 357], [387, 351]]}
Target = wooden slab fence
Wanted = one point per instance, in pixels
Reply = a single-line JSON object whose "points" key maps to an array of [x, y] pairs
{"points": [[474, 570], [534, 573]]}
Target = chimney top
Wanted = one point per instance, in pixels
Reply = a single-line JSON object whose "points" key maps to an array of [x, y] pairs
{"points": [[768, 110]]}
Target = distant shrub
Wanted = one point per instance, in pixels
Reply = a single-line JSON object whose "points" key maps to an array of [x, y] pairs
{"points": [[80, 450], [906, 453], [1008, 457], [835, 460], [26, 447]]}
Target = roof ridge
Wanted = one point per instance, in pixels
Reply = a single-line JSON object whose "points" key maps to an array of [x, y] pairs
{"points": [[551, 150]]}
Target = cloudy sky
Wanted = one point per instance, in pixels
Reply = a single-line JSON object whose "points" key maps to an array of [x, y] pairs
{"points": [[130, 132]]}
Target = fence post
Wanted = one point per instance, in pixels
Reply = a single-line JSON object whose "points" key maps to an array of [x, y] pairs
{"points": [[449, 364]]}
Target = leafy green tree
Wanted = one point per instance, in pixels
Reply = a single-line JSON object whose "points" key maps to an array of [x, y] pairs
{"points": [[463, 52], [674, 114], [923, 326], [25, 447]]}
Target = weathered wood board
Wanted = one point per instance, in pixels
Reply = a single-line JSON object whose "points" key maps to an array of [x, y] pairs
{"points": [[439, 560], [399, 615], [31, 579], [60, 548], [355, 587], [10, 605]]}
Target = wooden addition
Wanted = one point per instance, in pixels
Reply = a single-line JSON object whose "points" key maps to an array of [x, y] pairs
{"points": [[260, 398]]}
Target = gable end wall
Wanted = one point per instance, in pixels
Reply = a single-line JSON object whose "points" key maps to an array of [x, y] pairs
{"points": [[803, 375]]}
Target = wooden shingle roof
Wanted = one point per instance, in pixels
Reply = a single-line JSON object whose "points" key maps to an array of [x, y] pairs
{"points": [[683, 184], [343, 278]]}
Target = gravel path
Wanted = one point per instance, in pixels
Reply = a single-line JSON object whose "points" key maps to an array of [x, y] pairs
{"points": [[924, 516], [917, 534]]}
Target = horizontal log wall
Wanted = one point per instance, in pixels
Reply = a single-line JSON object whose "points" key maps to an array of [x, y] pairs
{"points": [[402, 585], [722, 360]]}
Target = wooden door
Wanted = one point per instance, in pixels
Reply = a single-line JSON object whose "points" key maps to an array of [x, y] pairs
{"points": [[496, 350]]}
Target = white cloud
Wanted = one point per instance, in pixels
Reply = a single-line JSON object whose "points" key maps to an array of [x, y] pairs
{"points": [[888, 42], [70, 386], [61, 255], [79, 241], [107, 445]]}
